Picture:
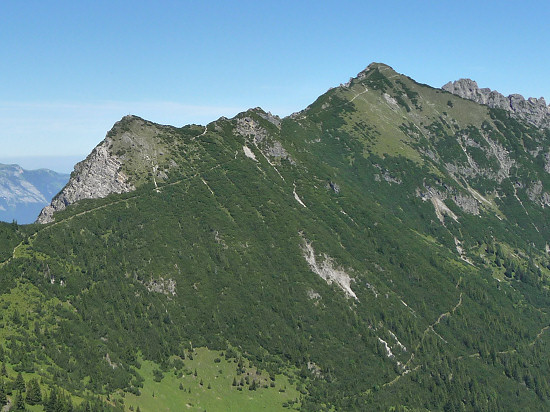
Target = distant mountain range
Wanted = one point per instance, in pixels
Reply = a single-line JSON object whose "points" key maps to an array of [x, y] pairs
{"points": [[23, 193]]}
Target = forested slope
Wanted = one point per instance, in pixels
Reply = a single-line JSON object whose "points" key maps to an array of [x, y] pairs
{"points": [[385, 247]]}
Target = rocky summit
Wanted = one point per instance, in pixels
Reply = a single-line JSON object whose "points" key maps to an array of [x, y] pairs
{"points": [[385, 248], [533, 110]]}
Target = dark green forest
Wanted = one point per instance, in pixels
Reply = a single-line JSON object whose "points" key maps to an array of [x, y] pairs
{"points": [[430, 211]]}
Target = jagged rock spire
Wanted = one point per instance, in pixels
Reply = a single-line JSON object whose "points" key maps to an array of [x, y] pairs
{"points": [[534, 111]]}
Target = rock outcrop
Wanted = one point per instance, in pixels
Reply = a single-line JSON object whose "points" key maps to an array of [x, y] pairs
{"points": [[251, 129], [95, 177], [133, 153], [534, 111]]}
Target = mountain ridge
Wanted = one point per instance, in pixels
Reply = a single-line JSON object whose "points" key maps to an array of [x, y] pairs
{"points": [[532, 110], [385, 247]]}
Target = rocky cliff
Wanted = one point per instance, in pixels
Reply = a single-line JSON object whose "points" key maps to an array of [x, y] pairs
{"points": [[534, 111], [134, 152], [97, 176]]}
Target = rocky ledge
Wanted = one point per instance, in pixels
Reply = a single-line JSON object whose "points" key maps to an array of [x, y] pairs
{"points": [[95, 177], [534, 111]]}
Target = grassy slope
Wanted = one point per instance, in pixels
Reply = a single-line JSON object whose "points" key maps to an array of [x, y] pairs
{"points": [[229, 231], [222, 396]]}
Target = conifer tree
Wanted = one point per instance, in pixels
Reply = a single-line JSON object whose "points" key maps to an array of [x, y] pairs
{"points": [[53, 403], [34, 395], [3, 397], [19, 383], [19, 402]]}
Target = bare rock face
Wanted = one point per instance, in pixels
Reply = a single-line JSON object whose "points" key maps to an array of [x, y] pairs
{"points": [[95, 177], [134, 152], [274, 119], [534, 111], [161, 285], [260, 136]]}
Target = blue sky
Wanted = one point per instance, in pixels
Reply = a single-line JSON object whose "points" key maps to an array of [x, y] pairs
{"points": [[70, 69]]}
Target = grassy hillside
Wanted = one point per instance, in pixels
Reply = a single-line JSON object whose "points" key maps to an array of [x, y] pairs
{"points": [[384, 248], [223, 384]]}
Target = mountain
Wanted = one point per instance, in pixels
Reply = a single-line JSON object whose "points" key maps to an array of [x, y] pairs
{"points": [[386, 248], [23, 193], [533, 110]]}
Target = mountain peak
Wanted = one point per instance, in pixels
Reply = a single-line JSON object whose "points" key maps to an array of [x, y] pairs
{"points": [[380, 66], [371, 68], [125, 158], [96, 176], [409, 217], [533, 110]]}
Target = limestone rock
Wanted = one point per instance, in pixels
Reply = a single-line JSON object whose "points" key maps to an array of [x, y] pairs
{"points": [[95, 177], [258, 135], [133, 153], [534, 111]]}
